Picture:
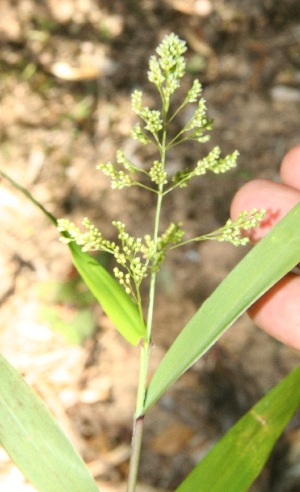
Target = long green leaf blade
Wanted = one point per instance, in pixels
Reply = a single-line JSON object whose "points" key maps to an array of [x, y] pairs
{"points": [[236, 460], [35, 442], [275, 255], [118, 306]]}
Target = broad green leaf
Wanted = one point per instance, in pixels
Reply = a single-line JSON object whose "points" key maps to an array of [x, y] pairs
{"points": [[237, 459], [35, 442], [118, 306], [275, 255]]}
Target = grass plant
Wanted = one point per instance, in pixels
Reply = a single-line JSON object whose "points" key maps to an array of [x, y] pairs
{"points": [[235, 462]]}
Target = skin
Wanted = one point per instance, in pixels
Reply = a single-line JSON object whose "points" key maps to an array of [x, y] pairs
{"points": [[278, 311]]}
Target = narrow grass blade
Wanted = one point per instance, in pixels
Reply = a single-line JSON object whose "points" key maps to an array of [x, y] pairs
{"points": [[236, 460], [275, 255], [118, 306], [35, 442]]}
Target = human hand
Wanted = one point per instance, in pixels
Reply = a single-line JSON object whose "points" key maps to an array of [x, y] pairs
{"points": [[278, 310]]}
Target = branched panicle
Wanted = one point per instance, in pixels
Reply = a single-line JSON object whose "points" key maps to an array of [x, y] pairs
{"points": [[136, 257], [129, 255], [166, 68]]}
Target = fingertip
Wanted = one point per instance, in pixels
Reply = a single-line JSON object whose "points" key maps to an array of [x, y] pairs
{"points": [[250, 195], [277, 199], [290, 168], [278, 311], [258, 194]]}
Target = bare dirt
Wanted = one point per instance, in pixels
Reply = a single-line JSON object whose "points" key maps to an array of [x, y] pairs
{"points": [[67, 70]]}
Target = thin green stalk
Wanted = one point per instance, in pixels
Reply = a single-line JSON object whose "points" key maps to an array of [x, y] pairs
{"points": [[144, 362], [145, 353], [135, 453]]}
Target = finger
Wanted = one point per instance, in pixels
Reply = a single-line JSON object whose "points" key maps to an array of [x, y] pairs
{"points": [[278, 311], [277, 199], [290, 168]]}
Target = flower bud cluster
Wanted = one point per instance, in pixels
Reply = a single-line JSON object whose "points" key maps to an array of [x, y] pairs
{"points": [[135, 257], [122, 160], [91, 240], [153, 120], [155, 252], [124, 280], [137, 133], [130, 255], [172, 236], [158, 174], [130, 245], [119, 179], [198, 119], [247, 220], [168, 68], [212, 162], [194, 92], [155, 74], [69, 231], [232, 231], [198, 126], [136, 101]]}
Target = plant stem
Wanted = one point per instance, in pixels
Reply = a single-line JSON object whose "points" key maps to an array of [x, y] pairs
{"points": [[135, 453], [144, 362], [145, 348]]}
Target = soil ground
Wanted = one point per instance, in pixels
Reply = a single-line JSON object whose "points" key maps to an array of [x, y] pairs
{"points": [[67, 71]]}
